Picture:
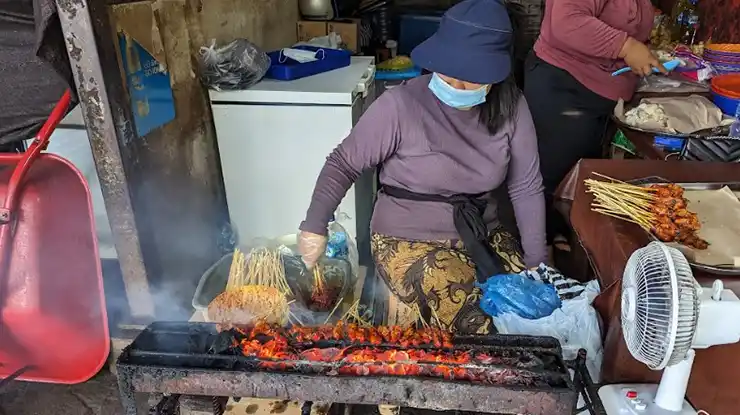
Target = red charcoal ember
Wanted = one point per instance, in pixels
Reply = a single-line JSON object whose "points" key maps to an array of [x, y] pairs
{"points": [[322, 355]]}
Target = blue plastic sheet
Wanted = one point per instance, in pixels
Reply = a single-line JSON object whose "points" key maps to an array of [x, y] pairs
{"points": [[513, 293]]}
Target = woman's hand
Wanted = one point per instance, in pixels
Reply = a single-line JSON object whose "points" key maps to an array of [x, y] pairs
{"points": [[639, 57], [311, 247]]}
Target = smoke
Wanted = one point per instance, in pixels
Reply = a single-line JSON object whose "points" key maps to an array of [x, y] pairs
{"points": [[172, 298], [182, 234], [301, 315]]}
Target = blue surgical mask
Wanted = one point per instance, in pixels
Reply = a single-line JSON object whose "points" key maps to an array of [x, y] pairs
{"points": [[456, 98]]}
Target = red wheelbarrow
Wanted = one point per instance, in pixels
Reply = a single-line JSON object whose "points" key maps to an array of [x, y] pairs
{"points": [[53, 321]]}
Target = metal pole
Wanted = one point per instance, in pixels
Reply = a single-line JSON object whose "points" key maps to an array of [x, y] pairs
{"points": [[107, 114]]}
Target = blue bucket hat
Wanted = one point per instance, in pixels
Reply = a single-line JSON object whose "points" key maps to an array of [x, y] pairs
{"points": [[472, 43]]}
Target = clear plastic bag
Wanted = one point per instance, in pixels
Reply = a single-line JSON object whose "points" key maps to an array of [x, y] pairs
{"points": [[341, 244], [671, 83], [228, 239], [575, 324], [513, 293], [338, 270], [236, 66], [735, 127]]}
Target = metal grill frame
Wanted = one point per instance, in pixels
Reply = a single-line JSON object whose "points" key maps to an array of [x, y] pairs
{"points": [[411, 392], [183, 370]]}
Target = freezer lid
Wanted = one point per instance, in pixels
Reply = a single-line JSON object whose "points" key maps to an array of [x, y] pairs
{"points": [[337, 87]]}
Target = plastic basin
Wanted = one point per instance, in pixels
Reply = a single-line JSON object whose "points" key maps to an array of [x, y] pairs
{"points": [[732, 48], [727, 85], [728, 105], [725, 93], [52, 305]]}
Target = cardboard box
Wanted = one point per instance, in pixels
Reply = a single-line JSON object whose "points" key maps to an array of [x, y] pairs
{"points": [[308, 29], [349, 31]]}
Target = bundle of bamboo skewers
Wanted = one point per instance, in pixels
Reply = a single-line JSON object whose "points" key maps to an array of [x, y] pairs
{"points": [[323, 296], [247, 304], [319, 282], [658, 208], [257, 289], [262, 266], [623, 201]]}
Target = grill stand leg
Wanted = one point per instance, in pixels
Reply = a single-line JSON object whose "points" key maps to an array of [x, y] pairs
{"points": [[585, 386], [219, 405], [203, 405], [126, 392], [166, 405]]}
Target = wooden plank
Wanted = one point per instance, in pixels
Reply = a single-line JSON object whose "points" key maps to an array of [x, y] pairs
{"points": [[270, 24], [179, 198]]}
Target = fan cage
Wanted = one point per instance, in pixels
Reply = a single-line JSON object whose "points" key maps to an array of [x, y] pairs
{"points": [[666, 306]]}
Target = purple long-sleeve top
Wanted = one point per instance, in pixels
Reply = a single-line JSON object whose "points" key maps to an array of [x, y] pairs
{"points": [[425, 146]]}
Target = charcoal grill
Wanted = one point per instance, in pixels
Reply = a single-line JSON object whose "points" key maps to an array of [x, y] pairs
{"points": [[178, 359]]}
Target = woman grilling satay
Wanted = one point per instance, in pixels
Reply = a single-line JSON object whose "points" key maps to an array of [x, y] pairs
{"points": [[569, 87], [442, 142]]}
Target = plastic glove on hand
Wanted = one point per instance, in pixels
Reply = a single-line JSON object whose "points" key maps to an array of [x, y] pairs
{"points": [[311, 247], [513, 293]]}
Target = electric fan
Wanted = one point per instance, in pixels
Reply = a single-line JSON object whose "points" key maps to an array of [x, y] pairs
{"points": [[665, 315]]}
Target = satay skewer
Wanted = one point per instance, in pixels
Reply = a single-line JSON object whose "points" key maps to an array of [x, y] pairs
{"points": [[436, 317], [292, 316], [643, 225], [339, 302], [354, 313], [660, 209]]}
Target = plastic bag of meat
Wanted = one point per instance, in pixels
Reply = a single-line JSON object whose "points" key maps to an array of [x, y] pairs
{"points": [[517, 294], [236, 66]]}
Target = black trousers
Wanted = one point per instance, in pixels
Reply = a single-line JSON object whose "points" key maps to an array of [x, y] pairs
{"points": [[571, 122]]}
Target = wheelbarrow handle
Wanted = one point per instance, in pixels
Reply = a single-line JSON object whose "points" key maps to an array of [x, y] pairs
{"points": [[56, 116], [24, 160]]}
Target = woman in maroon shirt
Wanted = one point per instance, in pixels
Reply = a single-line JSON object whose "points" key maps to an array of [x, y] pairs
{"points": [[568, 82]]}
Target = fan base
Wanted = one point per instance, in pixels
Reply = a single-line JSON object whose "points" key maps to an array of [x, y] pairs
{"points": [[636, 399]]}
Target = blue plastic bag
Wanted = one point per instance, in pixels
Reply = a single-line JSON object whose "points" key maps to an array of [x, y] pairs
{"points": [[336, 245], [513, 293]]}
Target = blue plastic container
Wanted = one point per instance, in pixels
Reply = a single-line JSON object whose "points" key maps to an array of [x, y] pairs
{"points": [[414, 28], [669, 143], [410, 73], [290, 69], [726, 104]]}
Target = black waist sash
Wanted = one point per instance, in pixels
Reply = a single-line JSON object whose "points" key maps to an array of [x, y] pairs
{"points": [[468, 218]]}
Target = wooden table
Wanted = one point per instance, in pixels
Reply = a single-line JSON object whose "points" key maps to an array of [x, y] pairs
{"points": [[608, 243]]}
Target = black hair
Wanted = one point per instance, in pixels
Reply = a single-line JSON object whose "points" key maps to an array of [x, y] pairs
{"points": [[502, 100], [501, 105]]}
